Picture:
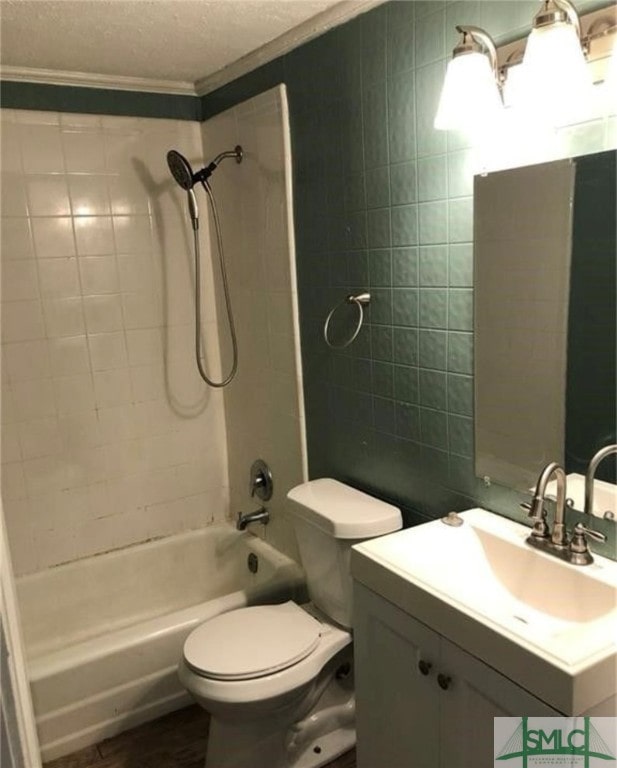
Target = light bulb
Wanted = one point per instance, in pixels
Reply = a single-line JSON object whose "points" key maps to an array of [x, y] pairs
{"points": [[555, 84], [470, 97]]}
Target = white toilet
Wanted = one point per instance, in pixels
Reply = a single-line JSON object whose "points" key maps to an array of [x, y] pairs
{"points": [[278, 679]]}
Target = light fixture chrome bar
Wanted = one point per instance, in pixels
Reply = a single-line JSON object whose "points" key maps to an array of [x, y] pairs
{"points": [[554, 11], [599, 29], [475, 40]]}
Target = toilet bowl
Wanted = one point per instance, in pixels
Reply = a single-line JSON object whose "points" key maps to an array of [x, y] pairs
{"points": [[278, 679], [287, 655]]}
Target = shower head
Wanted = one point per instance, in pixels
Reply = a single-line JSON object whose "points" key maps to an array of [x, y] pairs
{"points": [[183, 173], [180, 169]]}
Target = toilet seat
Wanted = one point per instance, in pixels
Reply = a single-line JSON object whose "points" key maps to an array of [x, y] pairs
{"points": [[332, 639], [252, 642]]}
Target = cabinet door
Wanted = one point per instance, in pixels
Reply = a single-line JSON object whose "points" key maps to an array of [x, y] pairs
{"points": [[397, 705], [475, 695]]}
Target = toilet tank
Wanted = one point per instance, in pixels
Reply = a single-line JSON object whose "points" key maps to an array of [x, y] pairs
{"points": [[329, 518]]}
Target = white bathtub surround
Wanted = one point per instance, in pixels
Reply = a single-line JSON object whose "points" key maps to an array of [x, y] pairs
{"points": [[264, 405], [103, 658], [109, 437]]}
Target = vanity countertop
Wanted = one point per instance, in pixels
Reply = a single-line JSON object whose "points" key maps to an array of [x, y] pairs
{"points": [[547, 625]]}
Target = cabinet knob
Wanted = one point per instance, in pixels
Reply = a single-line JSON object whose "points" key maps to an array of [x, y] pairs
{"points": [[424, 667], [444, 681]]}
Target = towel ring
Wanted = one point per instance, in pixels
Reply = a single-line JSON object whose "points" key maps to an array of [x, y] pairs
{"points": [[361, 300]]}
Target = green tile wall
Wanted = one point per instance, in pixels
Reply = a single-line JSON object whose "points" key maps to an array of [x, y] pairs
{"points": [[98, 101], [383, 202]]}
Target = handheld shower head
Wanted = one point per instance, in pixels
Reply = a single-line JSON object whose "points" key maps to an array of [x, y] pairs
{"points": [[183, 174], [180, 169]]}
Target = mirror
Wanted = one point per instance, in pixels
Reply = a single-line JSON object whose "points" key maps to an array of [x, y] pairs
{"points": [[545, 320]]}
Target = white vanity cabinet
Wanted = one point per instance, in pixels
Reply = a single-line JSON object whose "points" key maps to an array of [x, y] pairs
{"points": [[422, 702]]}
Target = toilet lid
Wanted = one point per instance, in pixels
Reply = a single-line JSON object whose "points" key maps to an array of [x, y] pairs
{"points": [[252, 642]]}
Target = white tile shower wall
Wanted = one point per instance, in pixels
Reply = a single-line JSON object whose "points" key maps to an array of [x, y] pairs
{"points": [[263, 405], [109, 437]]}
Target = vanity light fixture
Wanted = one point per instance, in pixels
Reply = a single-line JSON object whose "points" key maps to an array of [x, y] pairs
{"points": [[563, 73], [555, 80], [470, 96]]}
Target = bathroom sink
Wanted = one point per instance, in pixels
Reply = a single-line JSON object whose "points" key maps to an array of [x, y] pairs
{"points": [[527, 613]]}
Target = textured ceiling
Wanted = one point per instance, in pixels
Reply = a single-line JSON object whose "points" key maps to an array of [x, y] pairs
{"points": [[173, 40]]}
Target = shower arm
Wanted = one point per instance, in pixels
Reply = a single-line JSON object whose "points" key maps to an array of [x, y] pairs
{"points": [[235, 152], [204, 174]]}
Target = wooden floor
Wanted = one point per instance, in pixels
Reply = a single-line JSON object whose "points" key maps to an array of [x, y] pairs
{"points": [[177, 740]]}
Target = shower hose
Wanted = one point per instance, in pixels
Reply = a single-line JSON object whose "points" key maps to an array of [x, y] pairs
{"points": [[230, 317]]}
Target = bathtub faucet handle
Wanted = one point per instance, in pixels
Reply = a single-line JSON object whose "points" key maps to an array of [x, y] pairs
{"points": [[260, 483], [257, 483], [245, 518]]}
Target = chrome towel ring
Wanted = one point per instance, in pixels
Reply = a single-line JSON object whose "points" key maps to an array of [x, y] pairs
{"points": [[361, 300]]}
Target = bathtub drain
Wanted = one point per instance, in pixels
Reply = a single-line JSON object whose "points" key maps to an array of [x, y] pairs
{"points": [[253, 562]]}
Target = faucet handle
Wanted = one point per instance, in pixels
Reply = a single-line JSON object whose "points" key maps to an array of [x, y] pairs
{"points": [[257, 483], [578, 550], [260, 483], [582, 530]]}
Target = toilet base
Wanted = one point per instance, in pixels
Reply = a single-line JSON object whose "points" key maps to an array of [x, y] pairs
{"points": [[326, 748], [258, 745], [316, 729]]}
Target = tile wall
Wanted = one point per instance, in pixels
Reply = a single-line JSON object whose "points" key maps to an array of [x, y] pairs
{"points": [[263, 404], [108, 435], [382, 206], [384, 202]]}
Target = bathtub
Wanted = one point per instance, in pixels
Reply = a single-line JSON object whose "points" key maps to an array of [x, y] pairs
{"points": [[104, 635]]}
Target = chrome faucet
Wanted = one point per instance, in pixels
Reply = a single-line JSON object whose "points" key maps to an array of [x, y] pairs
{"points": [[591, 473], [556, 542], [246, 518]]}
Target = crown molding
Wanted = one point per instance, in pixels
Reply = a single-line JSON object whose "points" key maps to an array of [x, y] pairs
{"points": [[88, 80], [332, 17]]}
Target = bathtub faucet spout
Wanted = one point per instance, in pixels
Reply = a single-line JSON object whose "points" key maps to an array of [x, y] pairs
{"points": [[245, 518]]}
